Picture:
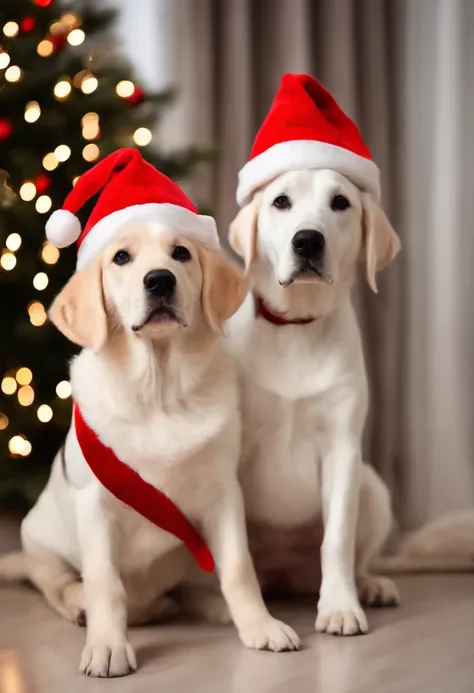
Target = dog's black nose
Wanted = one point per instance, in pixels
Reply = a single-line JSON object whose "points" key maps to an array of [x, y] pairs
{"points": [[308, 243], [159, 282]]}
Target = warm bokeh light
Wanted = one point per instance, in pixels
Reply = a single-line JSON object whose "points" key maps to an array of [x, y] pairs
{"points": [[8, 385], [44, 48], [24, 376], [63, 389], [76, 37], [32, 112], [4, 60], [13, 242], [8, 261], [26, 395], [74, 181], [89, 84], [91, 130], [90, 152], [50, 254], [19, 445], [44, 413], [125, 88], [3, 421], [37, 314], [69, 20], [11, 29], [142, 137], [40, 281], [89, 118], [62, 152], [62, 89], [28, 191], [13, 74], [50, 162], [43, 204]]}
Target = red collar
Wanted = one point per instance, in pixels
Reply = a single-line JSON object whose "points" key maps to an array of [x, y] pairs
{"points": [[264, 312], [129, 487]]}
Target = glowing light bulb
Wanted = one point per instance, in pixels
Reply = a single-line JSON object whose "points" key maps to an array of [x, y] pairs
{"points": [[24, 376], [16, 445], [37, 314], [76, 37], [8, 261], [13, 242], [62, 89], [28, 191], [40, 281], [44, 413], [13, 74], [32, 111], [8, 385], [26, 395], [3, 421], [142, 137], [63, 389], [4, 60], [11, 29], [44, 48], [62, 152], [125, 88], [89, 84], [50, 162], [49, 254], [43, 204], [90, 152]]}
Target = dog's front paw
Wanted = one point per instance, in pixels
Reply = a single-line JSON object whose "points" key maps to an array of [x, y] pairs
{"points": [[106, 660], [341, 617], [269, 634], [376, 590]]}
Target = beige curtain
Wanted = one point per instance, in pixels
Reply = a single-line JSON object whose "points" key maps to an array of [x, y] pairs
{"points": [[402, 69]]}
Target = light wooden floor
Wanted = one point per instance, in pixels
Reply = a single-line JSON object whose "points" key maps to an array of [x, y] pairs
{"points": [[425, 646]]}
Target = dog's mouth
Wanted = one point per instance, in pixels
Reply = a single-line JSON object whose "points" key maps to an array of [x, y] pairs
{"points": [[309, 271], [163, 314]]}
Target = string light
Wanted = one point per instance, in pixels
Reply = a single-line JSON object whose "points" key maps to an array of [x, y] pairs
{"points": [[8, 261], [63, 389], [11, 29], [26, 395], [89, 118], [142, 137], [40, 281], [91, 130], [28, 191], [44, 48], [19, 445], [50, 162], [13, 242], [4, 60], [32, 111], [69, 20], [89, 84], [13, 74], [49, 254], [44, 413], [62, 152], [3, 421], [125, 88], [57, 28], [43, 204], [37, 313], [62, 89], [24, 376], [8, 385], [90, 152], [76, 37]]}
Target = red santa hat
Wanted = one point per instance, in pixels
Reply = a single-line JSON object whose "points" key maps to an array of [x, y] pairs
{"points": [[306, 129], [130, 190]]}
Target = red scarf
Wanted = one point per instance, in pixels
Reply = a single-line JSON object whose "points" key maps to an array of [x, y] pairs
{"points": [[129, 487], [264, 312]]}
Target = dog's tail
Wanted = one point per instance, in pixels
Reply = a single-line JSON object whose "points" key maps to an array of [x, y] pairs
{"points": [[444, 545], [13, 568]]}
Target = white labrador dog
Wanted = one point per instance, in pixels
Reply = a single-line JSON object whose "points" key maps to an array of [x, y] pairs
{"points": [[156, 385], [305, 391]]}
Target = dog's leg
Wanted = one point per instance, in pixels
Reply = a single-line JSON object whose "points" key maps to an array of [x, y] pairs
{"points": [[374, 524], [227, 536], [339, 610], [107, 651]]}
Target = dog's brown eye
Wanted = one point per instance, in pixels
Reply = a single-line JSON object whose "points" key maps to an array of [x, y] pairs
{"points": [[121, 257], [180, 253], [339, 203], [282, 202]]}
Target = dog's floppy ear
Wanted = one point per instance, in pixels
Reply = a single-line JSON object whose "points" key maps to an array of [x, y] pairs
{"points": [[380, 242], [78, 311], [223, 288], [243, 231]]}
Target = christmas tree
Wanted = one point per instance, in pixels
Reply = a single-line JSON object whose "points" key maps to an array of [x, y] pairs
{"points": [[66, 101]]}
